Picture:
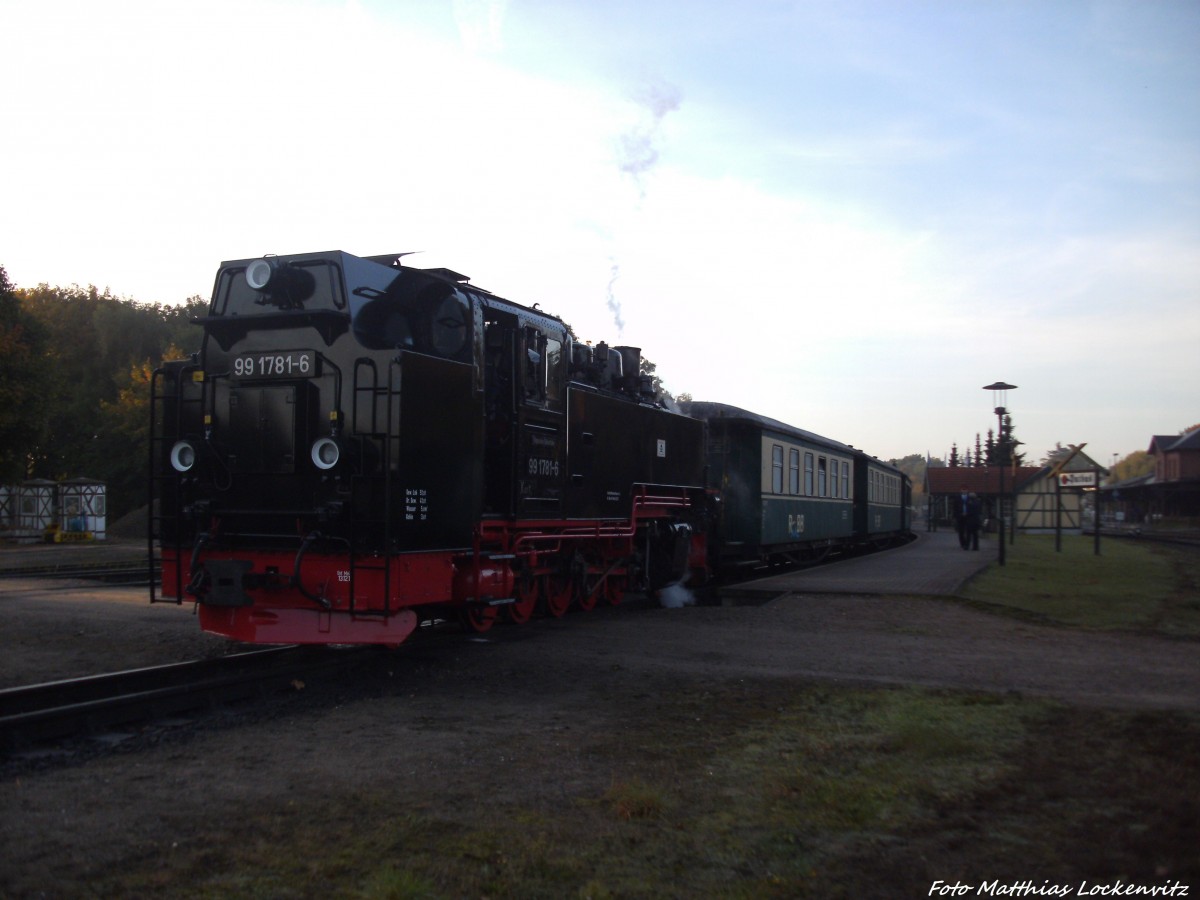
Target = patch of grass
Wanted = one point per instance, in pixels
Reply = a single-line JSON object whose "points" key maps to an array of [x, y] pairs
{"points": [[635, 800], [390, 883], [1129, 586]]}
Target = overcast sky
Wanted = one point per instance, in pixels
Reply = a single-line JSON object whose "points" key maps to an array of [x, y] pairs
{"points": [[846, 215]]}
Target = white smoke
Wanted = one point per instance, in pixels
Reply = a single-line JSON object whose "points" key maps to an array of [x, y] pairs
{"points": [[638, 153], [614, 305], [676, 596], [480, 24]]}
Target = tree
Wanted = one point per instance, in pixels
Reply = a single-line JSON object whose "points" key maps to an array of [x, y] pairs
{"points": [[1004, 451], [22, 346], [914, 466], [1134, 465], [89, 372], [120, 450]]}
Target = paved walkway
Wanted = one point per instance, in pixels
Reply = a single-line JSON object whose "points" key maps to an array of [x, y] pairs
{"points": [[932, 564]]}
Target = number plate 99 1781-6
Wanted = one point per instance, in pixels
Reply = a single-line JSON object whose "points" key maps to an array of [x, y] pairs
{"points": [[281, 364]]}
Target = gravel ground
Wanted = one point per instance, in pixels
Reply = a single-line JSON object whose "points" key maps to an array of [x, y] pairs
{"points": [[454, 706]]}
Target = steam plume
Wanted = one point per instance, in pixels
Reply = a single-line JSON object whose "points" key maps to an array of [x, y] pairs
{"points": [[614, 305], [638, 153], [674, 596]]}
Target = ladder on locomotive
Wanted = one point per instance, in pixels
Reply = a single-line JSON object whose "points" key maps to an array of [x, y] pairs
{"points": [[170, 376], [368, 422]]}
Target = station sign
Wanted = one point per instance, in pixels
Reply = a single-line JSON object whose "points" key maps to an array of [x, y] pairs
{"points": [[1077, 479]]}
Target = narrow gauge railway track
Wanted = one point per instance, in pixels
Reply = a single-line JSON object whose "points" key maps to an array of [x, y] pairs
{"points": [[133, 573], [58, 710], [1174, 538]]}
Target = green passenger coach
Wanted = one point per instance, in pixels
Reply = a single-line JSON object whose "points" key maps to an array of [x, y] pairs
{"points": [[792, 495]]}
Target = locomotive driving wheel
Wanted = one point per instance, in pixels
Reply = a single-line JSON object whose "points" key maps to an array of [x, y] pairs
{"points": [[558, 592], [522, 609], [590, 591], [479, 617], [614, 589]]}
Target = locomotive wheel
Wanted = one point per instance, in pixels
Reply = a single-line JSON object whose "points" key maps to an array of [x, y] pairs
{"points": [[590, 592], [558, 595], [522, 610], [479, 618], [614, 589]]}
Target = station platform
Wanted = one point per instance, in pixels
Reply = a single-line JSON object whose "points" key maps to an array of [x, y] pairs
{"points": [[932, 565]]}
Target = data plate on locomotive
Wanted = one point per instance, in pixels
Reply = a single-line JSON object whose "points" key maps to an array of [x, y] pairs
{"points": [[280, 364]]}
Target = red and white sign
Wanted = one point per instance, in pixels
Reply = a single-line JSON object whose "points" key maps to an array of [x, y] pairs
{"points": [[1077, 479]]}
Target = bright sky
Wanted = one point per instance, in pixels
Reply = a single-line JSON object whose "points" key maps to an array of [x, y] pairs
{"points": [[849, 216]]}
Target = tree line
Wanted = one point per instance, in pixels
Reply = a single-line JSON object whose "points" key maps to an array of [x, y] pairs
{"points": [[75, 368]]}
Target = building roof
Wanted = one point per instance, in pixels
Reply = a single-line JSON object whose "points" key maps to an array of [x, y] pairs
{"points": [[1126, 484], [978, 479], [1164, 443]]}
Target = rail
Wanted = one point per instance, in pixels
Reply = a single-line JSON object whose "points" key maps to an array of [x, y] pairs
{"points": [[56, 710], [115, 574]]}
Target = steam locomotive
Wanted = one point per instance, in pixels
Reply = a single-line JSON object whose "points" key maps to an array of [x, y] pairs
{"points": [[360, 446]]}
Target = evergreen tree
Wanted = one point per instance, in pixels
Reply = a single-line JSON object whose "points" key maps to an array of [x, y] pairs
{"points": [[22, 346]]}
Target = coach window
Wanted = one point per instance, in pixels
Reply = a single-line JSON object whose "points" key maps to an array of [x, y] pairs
{"points": [[776, 469], [846, 480], [808, 474], [793, 471], [833, 478], [822, 484]]}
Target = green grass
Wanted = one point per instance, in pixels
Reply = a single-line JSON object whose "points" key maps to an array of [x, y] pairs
{"points": [[1130, 585]]}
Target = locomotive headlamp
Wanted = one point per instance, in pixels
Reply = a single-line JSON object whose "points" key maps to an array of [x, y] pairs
{"points": [[183, 456], [326, 453], [279, 283], [258, 274]]}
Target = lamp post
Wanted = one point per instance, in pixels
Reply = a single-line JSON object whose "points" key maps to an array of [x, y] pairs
{"points": [[1000, 391]]}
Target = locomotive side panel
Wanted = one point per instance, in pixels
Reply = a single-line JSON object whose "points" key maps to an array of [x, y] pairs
{"points": [[615, 444], [438, 480]]}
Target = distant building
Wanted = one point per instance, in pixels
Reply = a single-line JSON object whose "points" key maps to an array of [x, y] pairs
{"points": [[1172, 492], [42, 510], [1044, 498]]}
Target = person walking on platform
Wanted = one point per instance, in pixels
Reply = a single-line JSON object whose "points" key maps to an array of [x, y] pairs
{"points": [[974, 521], [967, 513]]}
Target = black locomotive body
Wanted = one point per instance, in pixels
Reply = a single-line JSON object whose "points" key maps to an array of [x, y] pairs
{"points": [[361, 445]]}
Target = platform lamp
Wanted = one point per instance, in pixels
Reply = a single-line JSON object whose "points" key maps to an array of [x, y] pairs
{"points": [[1000, 391]]}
